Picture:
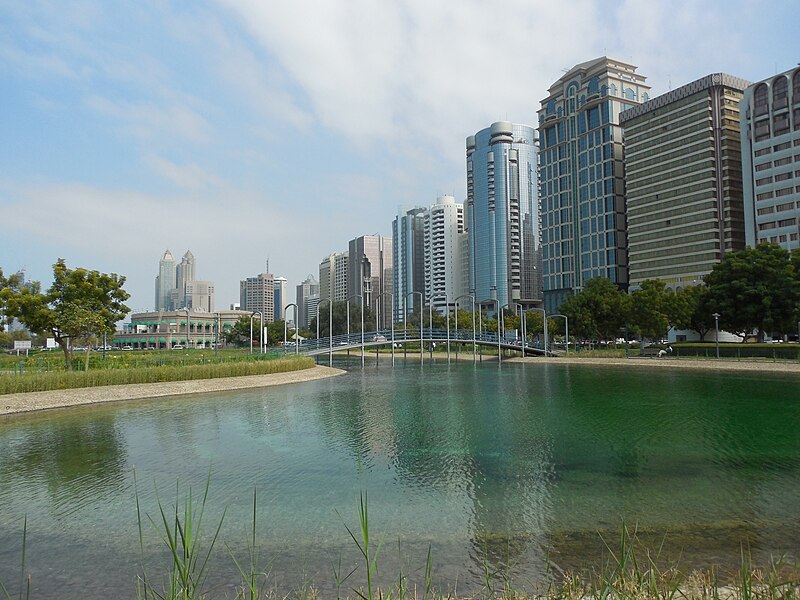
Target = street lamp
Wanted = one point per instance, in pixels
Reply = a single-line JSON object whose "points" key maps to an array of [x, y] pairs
{"points": [[261, 328], [296, 329], [566, 332], [405, 327], [361, 300], [716, 331], [381, 304], [430, 320], [188, 336], [497, 314], [471, 297], [544, 318], [330, 328]]}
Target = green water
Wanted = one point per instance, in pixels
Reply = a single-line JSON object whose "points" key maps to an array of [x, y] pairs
{"points": [[506, 467]]}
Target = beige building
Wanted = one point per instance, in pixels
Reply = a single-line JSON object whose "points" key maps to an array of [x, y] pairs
{"points": [[683, 175], [333, 277], [166, 329], [257, 294]]}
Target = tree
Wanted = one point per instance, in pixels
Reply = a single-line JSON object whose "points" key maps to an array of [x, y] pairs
{"points": [[755, 289], [340, 319], [12, 282], [649, 309], [690, 310], [63, 311], [599, 311]]}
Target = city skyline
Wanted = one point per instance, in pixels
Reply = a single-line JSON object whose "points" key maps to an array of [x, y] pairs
{"points": [[152, 125]]}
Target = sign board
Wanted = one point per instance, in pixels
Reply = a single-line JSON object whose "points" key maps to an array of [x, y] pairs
{"points": [[22, 344], [50, 343]]}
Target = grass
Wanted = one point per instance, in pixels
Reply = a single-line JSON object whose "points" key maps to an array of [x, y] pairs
{"points": [[61, 380]]}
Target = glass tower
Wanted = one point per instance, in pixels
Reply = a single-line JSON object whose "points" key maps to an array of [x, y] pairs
{"points": [[502, 215]]}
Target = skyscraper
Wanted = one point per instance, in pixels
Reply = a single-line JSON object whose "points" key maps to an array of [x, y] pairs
{"points": [[683, 180], [166, 281], [258, 294], [502, 215], [281, 297], [408, 259], [305, 292], [370, 274], [770, 120], [185, 275], [581, 176], [446, 254]]}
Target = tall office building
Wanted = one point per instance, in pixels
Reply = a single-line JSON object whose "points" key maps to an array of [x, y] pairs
{"points": [[184, 272], [408, 259], [305, 292], [370, 274], [257, 294], [333, 277], [770, 119], [281, 298], [502, 215], [581, 176], [683, 179], [166, 281], [446, 254], [199, 296]]}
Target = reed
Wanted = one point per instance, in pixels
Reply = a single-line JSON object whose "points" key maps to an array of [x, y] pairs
{"points": [[62, 380]]}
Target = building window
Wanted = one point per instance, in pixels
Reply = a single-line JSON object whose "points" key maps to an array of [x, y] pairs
{"points": [[787, 222], [796, 87], [783, 176], [765, 196], [764, 181], [766, 226], [763, 151], [782, 161], [783, 192], [760, 100], [780, 93], [780, 124], [763, 166], [762, 130]]}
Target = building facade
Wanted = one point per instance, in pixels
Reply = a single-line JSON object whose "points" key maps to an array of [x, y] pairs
{"points": [[446, 255], [770, 134], [581, 176], [370, 275], [281, 298], [257, 294], [683, 178], [502, 215], [408, 260], [305, 292], [166, 329], [333, 277], [166, 281]]}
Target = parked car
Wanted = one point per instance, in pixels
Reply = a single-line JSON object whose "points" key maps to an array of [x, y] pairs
{"points": [[379, 338], [177, 347], [127, 347]]}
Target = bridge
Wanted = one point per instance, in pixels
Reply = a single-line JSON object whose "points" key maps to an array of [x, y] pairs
{"points": [[426, 339]]}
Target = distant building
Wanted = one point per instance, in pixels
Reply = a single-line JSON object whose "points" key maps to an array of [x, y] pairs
{"points": [[370, 274], [408, 260], [281, 297], [581, 176], [177, 288], [446, 254], [683, 178], [502, 215], [770, 121], [333, 277], [165, 329], [199, 295], [257, 294], [166, 281], [305, 292]]}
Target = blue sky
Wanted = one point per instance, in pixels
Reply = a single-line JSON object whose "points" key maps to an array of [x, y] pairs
{"points": [[251, 129]]}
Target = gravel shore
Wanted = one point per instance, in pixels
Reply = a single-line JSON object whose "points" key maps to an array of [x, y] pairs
{"points": [[759, 366], [17, 403]]}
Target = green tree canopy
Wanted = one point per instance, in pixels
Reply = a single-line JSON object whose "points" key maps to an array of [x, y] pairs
{"points": [[599, 311], [651, 309], [755, 289], [78, 304]]}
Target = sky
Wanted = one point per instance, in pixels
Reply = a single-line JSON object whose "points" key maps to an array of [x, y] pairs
{"points": [[255, 130]]}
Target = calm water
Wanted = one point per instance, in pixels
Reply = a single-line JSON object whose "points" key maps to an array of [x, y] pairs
{"points": [[502, 467]]}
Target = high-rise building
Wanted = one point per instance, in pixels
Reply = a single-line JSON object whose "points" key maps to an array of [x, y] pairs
{"points": [[305, 291], [199, 296], [683, 180], [581, 176], [185, 274], [340, 277], [408, 260], [446, 254], [257, 294], [166, 281], [502, 215], [770, 120], [281, 298], [370, 274]]}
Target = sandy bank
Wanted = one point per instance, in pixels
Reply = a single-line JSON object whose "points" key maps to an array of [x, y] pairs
{"points": [[16, 403], [760, 366]]}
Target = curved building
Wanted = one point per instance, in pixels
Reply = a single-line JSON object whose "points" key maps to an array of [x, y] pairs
{"points": [[503, 216]]}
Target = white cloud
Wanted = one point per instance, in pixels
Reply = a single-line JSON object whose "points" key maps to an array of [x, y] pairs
{"points": [[191, 176]]}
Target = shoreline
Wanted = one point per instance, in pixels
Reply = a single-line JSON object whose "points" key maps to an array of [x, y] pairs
{"points": [[37, 401], [710, 364]]}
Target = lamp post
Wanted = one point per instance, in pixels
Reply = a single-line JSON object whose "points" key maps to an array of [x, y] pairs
{"points": [[430, 320], [188, 336], [405, 327], [471, 297], [716, 331], [216, 335], [330, 328], [361, 300], [296, 331], [544, 319], [261, 331], [497, 314], [566, 332], [391, 300]]}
